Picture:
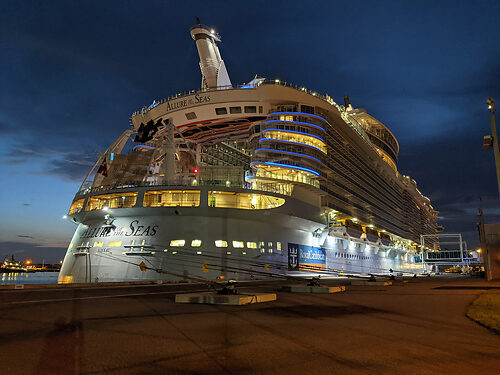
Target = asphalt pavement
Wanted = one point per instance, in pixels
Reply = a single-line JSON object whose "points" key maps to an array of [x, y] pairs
{"points": [[417, 327]]}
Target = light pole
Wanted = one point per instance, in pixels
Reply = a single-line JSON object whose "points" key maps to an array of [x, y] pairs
{"points": [[491, 106]]}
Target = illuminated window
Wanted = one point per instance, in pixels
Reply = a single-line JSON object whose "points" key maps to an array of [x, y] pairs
{"points": [[261, 244], [245, 201], [238, 244], [278, 246], [220, 243], [195, 243], [282, 172], [115, 243], [244, 253], [118, 200], [177, 243], [172, 198], [252, 245], [286, 118], [198, 252], [270, 245], [296, 137], [76, 207], [98, 244], [228, 252]]}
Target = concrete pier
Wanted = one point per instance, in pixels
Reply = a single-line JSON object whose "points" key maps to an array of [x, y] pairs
{"points": [[211, 298]]}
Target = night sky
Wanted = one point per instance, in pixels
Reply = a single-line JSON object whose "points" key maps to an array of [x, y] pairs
{"points": [[72, 73]]}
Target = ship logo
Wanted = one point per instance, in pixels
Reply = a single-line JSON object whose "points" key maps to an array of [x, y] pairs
{"points": [[293, 257]]}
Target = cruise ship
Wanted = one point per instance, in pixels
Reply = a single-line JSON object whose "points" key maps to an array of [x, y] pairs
{"points": [[260, 180]]}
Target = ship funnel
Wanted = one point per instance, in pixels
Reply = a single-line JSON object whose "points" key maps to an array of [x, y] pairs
{"points": [[346, 101], [347, 104], [213, 70]]}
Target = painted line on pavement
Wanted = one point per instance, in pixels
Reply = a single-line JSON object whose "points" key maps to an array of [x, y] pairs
{"points": [[98, 297]]}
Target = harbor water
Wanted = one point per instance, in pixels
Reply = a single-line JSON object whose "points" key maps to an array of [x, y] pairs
{"points": [[28, 278]]}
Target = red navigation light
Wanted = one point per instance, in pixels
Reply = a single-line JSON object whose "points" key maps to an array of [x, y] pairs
{"points": [[195, 170]]}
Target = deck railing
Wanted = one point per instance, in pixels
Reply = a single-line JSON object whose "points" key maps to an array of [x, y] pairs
{"points": [[181, 182]]}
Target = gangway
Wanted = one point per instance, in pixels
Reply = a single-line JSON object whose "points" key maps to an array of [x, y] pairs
{"points": [[455, 251]]}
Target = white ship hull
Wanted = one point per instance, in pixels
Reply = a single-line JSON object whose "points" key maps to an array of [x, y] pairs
{"points": [[285, 245]]}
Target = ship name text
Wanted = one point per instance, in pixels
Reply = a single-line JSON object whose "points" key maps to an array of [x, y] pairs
{"points": [[187, 102], [134, 230]]}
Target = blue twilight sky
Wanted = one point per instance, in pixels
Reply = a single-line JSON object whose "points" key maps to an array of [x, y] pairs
{"points": [[71, 74]]}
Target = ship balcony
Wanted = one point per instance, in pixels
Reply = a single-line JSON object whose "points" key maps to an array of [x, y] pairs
{"points": [[289, 154], [296, 126], [296, 138], [307, 120], [272, 171]]}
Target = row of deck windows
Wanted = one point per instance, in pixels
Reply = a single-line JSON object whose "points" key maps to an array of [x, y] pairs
{"points": [[179, 198], [194, 243], [119, 200], [226, 199], [350, 256], [172, 198], [237, 110], [224, 243]]}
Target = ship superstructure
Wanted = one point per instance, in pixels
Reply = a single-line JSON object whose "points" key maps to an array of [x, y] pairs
{"points": [[246, 181]]}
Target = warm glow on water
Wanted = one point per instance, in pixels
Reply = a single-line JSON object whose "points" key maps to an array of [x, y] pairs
{"points": [[29, 278]]}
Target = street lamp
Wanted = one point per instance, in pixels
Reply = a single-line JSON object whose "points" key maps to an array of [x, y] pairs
{"points": [[493, 139]]}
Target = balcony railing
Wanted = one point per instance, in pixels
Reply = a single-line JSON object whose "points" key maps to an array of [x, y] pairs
{"points": [[180, 182]]}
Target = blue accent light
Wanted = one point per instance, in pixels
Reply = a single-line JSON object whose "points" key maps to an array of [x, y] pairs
{"points": [[298, 113], [151, 147], [282, 140], [286, 166], [296, 122], [288, 152], [112, 156], [295, 132]]}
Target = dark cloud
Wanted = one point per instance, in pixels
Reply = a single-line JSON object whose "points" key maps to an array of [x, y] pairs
{"points": [[13, 161], [5, 129], [36, 252], [454, 172], [71, 170]]}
